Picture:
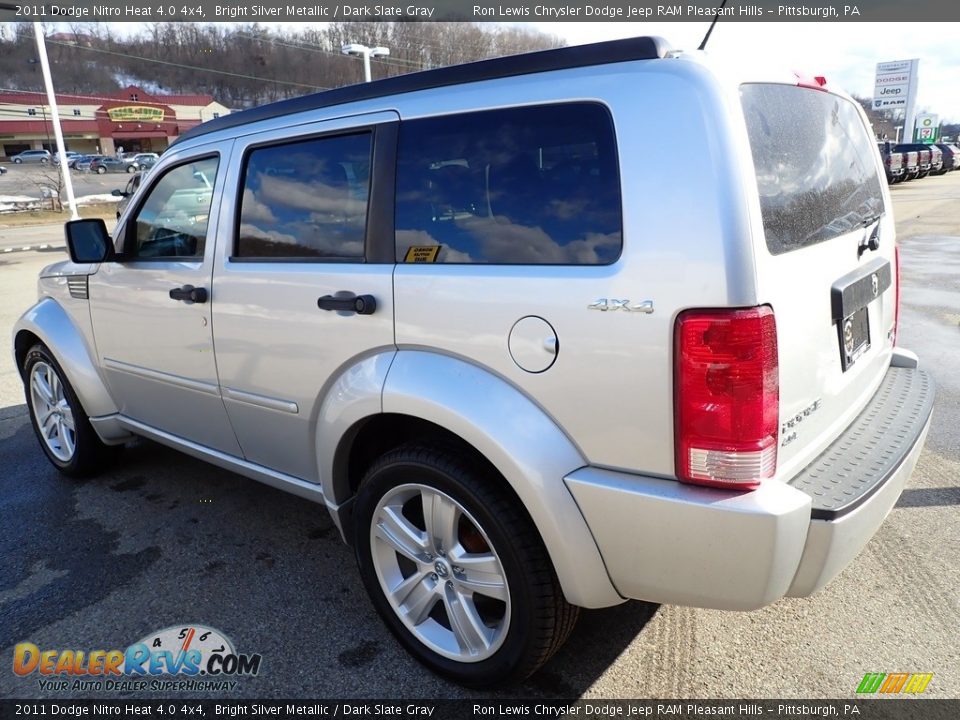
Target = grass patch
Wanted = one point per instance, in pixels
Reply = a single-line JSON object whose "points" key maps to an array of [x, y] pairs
{"points": [[107, 211]]}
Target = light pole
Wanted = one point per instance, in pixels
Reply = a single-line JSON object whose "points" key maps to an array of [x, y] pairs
{"points": [[55, 112], [366, 53]]}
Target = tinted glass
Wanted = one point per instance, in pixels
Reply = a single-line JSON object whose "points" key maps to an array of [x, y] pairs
{"points": [[306, 199], [172, 222], [815, 165], [525, 185]]}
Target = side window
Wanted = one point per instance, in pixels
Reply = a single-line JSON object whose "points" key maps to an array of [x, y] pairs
{"points": [[306, 199], [536, 185], [172, 221]]}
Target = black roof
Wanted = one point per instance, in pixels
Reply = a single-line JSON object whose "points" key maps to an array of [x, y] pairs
{"points": [[611, 51]]}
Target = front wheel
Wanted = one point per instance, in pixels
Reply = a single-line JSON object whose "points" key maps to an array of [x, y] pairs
{"points": [[456, 568], [17, 161], [101, 170], [61, 425], [131, 169]]}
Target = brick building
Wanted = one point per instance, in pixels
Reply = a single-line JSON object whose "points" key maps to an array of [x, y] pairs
{"points": [[131, 118]]}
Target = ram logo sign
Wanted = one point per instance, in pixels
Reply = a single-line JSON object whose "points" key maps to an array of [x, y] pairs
{"points": [[893, 683]]}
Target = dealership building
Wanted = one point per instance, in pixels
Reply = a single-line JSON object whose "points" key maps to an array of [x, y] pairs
{"points": [[131, 119]]}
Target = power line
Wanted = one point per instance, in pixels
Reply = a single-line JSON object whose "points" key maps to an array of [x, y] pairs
{"points": [[187, 67], [398, 62]]}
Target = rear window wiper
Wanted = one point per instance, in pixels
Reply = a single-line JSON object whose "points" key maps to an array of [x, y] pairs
{"points": [[871, 242]]}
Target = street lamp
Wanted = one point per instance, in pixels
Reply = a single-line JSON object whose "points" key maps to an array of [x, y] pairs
{"points": [[366, 53]]}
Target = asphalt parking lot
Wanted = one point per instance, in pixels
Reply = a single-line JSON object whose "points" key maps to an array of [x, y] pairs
{"points": [[163, 540]]}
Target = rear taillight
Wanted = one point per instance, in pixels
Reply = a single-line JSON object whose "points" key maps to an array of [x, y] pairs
{"points": [[896, 307], [726, 397]]}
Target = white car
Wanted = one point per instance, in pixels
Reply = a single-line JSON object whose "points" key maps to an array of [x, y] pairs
{"points": [[522, 373]]}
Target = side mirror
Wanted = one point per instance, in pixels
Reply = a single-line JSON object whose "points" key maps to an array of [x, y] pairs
{"points": [[88, 241], [118, 193]]}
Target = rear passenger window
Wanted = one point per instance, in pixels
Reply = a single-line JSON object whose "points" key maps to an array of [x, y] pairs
{"points": [[814, 162], [535, 185], [306, 199]]}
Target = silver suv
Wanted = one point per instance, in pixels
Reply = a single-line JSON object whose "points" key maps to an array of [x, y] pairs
{"points": [[522, 371]]}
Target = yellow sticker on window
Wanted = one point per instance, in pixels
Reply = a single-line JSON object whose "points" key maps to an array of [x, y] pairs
{"points": [[422, 254]]}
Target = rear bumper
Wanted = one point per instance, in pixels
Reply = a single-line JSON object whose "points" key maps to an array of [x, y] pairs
{"points": [[668, 542]]}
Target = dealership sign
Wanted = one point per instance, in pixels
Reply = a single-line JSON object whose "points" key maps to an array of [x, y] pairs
{"points": [[894, 83], [135, 113]]}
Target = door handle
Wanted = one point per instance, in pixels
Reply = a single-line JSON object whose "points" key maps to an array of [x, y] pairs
{"points": [[189, 294], [360, 304]]}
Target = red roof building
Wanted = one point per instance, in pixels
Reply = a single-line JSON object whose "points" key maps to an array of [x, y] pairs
{"points": [[132, 119]]}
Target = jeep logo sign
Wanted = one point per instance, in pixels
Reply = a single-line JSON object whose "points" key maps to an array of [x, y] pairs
{"points": [[895, 84]]}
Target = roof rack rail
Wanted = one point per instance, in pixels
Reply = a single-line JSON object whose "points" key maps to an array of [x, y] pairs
{"points": [[601, 53]]}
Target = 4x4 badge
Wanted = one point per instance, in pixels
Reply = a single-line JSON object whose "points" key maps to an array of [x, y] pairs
{"points": [[605, 304]]}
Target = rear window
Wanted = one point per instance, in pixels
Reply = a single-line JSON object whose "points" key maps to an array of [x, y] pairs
{"points": [[814, 162]]}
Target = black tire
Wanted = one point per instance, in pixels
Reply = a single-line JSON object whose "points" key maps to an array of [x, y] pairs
{"points": [[90, 455], [17, 161], [540, 617], [44, 161], [101, 170], [131, 169]]}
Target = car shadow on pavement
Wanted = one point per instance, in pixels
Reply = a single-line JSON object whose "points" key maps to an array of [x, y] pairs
{"points": [[599, 638], [178, 540]]}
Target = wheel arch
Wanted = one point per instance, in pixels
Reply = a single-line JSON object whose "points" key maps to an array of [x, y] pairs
{"points": [[451, 401], [47, 322]]}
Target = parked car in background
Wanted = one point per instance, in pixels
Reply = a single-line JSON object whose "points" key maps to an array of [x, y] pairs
{"points": [[69, 155], [951, 157], [111, 164], [127, 193], [33, 156], [3, 170], [83, 162], [892, 162], [144, 160]]}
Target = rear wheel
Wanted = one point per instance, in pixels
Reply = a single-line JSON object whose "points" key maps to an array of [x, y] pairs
{"points": [[131, 169], [61, 425], [456, 569], [17, 161], [101, 170]]}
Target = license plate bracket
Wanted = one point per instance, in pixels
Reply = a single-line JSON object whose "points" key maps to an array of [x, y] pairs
{"points": [[854, 335]]}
